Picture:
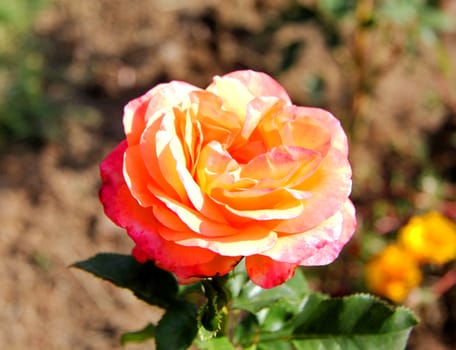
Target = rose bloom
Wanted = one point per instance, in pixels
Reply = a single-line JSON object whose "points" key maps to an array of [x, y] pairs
{"points": [[393, 273], [431, 238], [207, 177]]}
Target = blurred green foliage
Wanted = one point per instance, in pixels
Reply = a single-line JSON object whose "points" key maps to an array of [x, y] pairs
{"points": [[26, 112], [404, 25], [421, 19]]}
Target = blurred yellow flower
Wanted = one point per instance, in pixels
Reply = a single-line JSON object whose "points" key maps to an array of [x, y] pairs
{"points": [[393, 273], [430, 238]]}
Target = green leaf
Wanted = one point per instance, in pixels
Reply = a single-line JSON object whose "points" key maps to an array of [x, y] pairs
{"points": [[254, 298], [356, 322], [142, 335], [178, 327], [221, 343], [278, 315], [146, 281]]}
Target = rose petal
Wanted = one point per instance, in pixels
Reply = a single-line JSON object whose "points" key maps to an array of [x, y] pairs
{"points": [[301, 130], [136, 176], [216, 122], [138, 111], [218, 266], [216, 167], [331, 251], [248, 241], [139, 222], [193, 219], [234, 94], [282, 166], [112, 178], [327, 122], [257, 110], [268, 273], [170, 154], [260, 204], [330, 186], [172, 163], [207, 109], [317, 246], [249, 197], [258, 84], [297, 247], [150, 159]]}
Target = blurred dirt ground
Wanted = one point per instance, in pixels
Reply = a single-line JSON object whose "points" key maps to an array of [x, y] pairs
{"points": [[107, 52]]}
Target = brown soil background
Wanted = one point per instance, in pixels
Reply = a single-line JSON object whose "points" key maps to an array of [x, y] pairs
{"points": [[107, 52]]}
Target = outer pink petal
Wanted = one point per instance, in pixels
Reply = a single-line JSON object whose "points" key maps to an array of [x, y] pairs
{"points": [[141, 225], [296, 248], [328, 122], [258, 83], [268, 273], [317, 246], [331, 251], [113, 183]]}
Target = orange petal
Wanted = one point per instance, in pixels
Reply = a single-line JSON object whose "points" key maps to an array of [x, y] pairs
{"points": [[218, 266], [302, 130], [193, 219], [268, 273], [282, 166], [168, 218], [138, 111], [257, 109], [170, 155], [260, 204], [215, 122], [136, 176], [329, 185], [149, 155], [216, 167], [207, 108]]}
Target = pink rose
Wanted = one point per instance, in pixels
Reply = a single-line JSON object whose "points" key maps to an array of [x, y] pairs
{"points": [[208, 177]]}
